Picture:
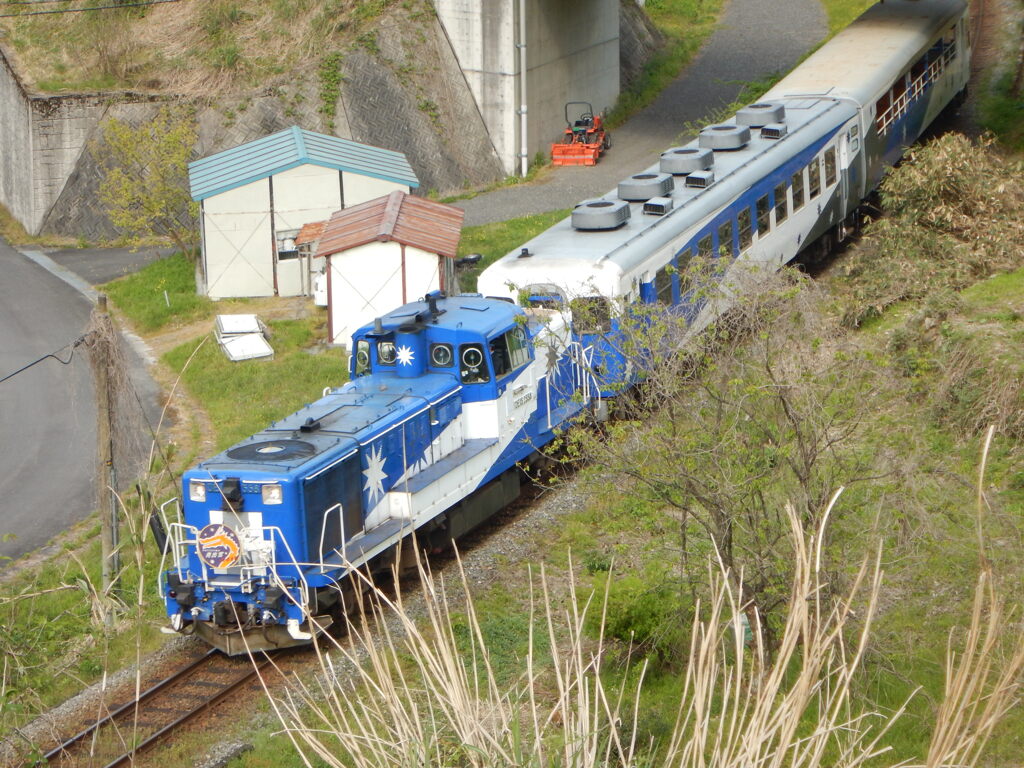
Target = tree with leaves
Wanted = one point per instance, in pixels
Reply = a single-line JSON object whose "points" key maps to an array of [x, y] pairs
{"points": [[144, 178], [730, 426]]}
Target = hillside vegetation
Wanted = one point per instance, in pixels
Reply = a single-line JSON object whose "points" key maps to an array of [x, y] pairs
{"points": [[190, 47]]}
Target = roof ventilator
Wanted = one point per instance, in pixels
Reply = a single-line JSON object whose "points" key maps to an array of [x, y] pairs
{"points": [[700, 179], [685, 160], [600, 214], [644, 186], [773, 131], [720, 137], [760, 114], [658, 206]]}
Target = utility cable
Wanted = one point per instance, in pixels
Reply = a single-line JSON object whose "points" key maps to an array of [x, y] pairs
{"points": [[53, 354]]}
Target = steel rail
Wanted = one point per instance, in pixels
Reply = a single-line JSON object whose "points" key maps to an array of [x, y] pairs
{"points": [[54, 756], [128, 758]]}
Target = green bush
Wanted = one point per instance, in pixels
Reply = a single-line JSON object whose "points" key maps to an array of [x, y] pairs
{"points": [[650, 612]]}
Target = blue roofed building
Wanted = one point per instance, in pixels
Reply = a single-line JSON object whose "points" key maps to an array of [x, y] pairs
{"points": [[255, 197]]}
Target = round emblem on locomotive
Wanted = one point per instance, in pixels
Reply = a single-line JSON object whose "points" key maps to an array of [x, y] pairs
{"points": [[218, 545]]}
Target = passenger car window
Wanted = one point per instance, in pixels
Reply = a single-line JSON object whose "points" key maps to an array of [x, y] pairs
{"points": [[725, 239], [704, 247], [683, 259], [830, 166], [798, 190], [663, 285], [472, 366], [591, 314], [781, 204], [763, 215], [745, 229], [814, 177]]}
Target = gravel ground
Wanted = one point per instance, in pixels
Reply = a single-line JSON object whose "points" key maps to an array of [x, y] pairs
{"points": [[754, 39]]}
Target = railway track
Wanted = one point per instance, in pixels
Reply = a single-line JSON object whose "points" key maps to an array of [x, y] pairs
{"points": [[119, 737]]}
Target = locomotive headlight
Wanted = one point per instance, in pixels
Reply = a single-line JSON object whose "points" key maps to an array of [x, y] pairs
{"points": [[272, 493], [196, 490]]}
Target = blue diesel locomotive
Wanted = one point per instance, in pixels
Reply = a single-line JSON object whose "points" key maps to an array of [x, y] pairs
{"points": [[447, 396]]}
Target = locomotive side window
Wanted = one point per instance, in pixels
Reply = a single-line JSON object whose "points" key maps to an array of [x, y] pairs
{"points": [[764, 222], [663, 285], [508, 352], [386, 352], [798, 190], [725, 239], [441, 355], [705, 247], [814, 177], [781, 204], [518, 347], [745, 228], [362, 357], [830, 166], [472, 366]]}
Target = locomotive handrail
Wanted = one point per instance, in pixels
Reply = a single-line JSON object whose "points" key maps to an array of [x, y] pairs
{"points": [[323, 532], [163, 554]]}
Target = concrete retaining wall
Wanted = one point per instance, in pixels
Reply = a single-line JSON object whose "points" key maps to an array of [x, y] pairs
{"points": [[16, 141], [572, 54]]}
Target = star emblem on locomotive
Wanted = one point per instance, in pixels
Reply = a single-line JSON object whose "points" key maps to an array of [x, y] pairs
{"points": [[405, 355], [375, 474]]}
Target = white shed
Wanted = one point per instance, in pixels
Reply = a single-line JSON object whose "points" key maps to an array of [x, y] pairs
{"points": [[385, 253], [255, 197]]}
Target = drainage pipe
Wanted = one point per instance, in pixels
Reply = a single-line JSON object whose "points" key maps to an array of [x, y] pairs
{"points": [[524, 162]]}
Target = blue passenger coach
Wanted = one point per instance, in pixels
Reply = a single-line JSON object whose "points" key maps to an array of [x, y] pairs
{"points": [[781, 177], [447, 396]]}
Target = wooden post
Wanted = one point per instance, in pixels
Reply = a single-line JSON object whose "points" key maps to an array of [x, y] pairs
{"points": [[104, 444]]}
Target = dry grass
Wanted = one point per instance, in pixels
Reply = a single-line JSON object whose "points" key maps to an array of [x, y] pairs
{"points": [[955, 215], [408, 692]]}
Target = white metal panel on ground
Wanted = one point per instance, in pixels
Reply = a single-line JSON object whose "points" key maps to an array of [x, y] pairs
{"points": [[239, 245], [229, 324], [359, 189], [364, 282], [245, 346]]}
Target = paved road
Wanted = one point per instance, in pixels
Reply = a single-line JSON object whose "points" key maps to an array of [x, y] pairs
{"points": [[101, 265], [47, 421], [755, 38]]}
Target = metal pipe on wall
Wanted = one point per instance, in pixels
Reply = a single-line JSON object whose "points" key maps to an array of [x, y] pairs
{"points": [[524, 160]]}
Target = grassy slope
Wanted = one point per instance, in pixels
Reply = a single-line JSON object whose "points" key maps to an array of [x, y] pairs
{"points": [[190, 46]]}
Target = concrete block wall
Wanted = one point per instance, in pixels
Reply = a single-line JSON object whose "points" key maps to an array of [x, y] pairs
{"points": [[61, 129], [572, 51], [45, 140]]}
